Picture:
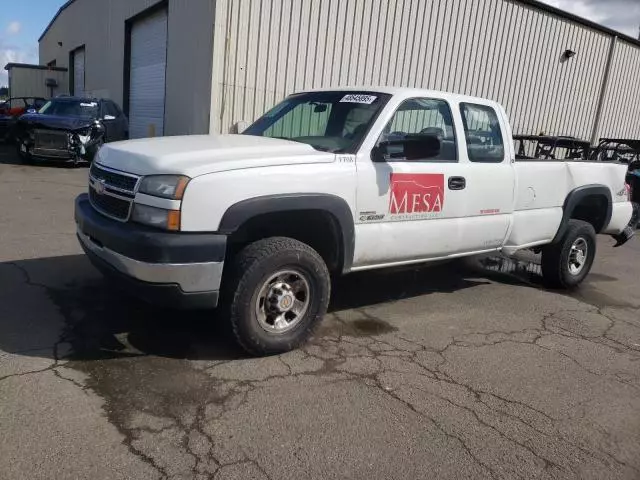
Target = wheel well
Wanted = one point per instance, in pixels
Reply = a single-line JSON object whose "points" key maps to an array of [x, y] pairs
{"points": [[317, 228], [592, 209]]}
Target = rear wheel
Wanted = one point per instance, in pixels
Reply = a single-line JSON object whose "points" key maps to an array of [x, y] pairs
{"points": [[278, 292], [567, 263]]}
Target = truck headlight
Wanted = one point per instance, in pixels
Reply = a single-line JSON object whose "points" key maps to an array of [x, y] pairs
{"points": [[156, 217], [165, 186]]}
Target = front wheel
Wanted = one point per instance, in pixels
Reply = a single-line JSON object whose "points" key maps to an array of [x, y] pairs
{"points": [[567, 263], [278, 292], [23, 152]]}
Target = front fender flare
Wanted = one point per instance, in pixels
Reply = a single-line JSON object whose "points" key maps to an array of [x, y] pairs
{"points": [[236, 215]]}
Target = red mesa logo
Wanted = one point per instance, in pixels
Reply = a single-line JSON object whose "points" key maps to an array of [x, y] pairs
{"points": [[416, 193]]}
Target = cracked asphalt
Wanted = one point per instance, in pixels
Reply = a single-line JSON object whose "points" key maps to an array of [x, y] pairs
{"points": [[466, 370]]}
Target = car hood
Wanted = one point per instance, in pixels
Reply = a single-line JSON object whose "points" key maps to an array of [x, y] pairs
{"points": [[56, 122], [196, 155]]}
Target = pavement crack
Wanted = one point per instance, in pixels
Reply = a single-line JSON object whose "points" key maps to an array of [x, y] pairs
{"points": [[32, 372]]}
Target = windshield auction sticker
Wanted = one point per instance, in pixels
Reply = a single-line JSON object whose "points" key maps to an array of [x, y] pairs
{"points": [[357, 98], [416, 196]]}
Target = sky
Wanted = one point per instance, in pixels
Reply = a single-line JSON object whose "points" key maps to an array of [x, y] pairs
{"points": [[621, 15], [21, 24], [23, 21]]}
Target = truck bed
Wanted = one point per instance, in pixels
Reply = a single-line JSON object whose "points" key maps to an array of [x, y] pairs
{"points": [[542, 187]]}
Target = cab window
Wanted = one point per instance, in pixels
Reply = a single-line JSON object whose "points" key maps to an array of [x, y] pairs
{"points": [[418, 118], [482, 133]]}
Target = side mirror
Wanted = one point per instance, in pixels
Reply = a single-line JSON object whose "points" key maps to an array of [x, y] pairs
{"points": [[109, 117], [411, 147]]}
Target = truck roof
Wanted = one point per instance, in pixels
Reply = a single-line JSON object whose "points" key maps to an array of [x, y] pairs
{"points": [[406, 92]]}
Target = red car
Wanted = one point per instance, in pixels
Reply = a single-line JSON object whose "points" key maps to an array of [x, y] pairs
{"points": [[12, 109]]}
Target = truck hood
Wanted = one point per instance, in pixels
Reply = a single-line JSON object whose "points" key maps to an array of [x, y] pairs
{"points": [[56, 122], [196, 155]]}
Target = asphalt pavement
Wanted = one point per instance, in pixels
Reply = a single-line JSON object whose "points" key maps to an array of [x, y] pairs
{"points": [[465, 370]]}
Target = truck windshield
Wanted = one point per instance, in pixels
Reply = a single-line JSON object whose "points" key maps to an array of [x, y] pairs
{"points": [[328, 121]]}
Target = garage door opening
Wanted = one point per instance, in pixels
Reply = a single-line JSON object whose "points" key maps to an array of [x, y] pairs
{"points": [[77, 75], [147, 52]]}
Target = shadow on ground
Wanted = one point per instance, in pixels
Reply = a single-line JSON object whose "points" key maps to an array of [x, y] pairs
{"points": [[101, 322]]}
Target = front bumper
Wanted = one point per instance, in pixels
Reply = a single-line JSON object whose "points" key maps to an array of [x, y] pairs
{"points": [[181, 270]]}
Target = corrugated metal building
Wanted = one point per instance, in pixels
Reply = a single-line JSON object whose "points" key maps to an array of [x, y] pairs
{"points": [[36, 80], [230, 60]]}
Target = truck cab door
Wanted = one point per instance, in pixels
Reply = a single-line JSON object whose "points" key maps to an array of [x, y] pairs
{"points": [[490, 174], [459, 201], [410, 203]]}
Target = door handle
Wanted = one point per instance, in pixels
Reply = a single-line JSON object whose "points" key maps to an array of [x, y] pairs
{"points": [[457, 183]]}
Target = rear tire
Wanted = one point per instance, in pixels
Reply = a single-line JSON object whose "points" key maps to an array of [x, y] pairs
{"points": [[567, 263], [276, 294]]}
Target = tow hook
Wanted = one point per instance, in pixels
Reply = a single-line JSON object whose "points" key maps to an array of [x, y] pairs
{"points": [[630, 230]]}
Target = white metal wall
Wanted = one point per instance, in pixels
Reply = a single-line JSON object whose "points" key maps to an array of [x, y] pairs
{"points": [[499, 49], [621, 111]]}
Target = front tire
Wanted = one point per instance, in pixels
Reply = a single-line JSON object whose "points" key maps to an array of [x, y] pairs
{"points": [[278, 292], [25, 157], [567, 263]]}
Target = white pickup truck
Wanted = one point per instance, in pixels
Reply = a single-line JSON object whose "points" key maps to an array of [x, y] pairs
{"points": [[332, 182]]}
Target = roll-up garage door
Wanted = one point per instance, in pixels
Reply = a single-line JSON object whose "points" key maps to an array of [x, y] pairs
{"points": [[147, 81], [78, 72]]}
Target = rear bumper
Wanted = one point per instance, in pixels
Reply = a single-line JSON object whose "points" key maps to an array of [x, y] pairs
{"points": [[630, 230], [177, 270], [621, 216]]}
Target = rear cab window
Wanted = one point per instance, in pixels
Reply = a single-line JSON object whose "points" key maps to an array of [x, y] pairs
{"points": [[483, 135]]}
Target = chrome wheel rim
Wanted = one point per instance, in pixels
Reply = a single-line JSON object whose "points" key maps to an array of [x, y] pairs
{"points": [[578, 256], [282, 301]]}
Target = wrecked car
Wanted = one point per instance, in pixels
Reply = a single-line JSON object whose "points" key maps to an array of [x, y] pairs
{"points": [[70, 129]]}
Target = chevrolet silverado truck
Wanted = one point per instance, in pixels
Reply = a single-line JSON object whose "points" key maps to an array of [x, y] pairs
{"points": [[332, 182]]}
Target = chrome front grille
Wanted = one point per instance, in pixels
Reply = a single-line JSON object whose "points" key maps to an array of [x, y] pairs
{"points": [[113, 207], [114, 179], [112, 192]]}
